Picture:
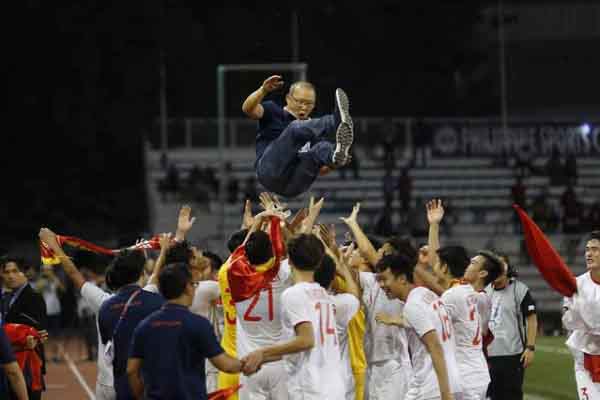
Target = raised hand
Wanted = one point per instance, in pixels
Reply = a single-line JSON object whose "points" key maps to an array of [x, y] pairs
{"points": [[296, 222], [165, 241], [327, 235], [352, 218], [272, 83], [184, 222], [48, 237], [248, 219], [435, 211]]}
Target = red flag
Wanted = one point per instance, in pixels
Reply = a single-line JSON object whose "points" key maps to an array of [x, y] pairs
{"points": [[223, 394], [247, 280], [28, 360], [546, 258]]}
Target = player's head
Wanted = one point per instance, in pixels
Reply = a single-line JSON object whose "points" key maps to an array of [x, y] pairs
{"points": [[183, 252], [175, 282], [486, 267], [215, 264], [452, 261], [13, 271], [398, 245], [236, 239], [592, 251], [325, 274], [301, 99], [305, 252], [258, 248], [125, 269], [395, 275]]}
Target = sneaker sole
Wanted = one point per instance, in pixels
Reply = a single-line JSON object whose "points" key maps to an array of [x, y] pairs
{"points": [[343, 104], [344, 138]]}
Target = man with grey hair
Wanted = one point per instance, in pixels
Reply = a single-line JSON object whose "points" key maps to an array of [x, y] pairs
{"points": [[290, 152]]}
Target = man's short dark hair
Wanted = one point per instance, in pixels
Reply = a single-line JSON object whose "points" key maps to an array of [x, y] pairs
{"points": [[456, 258], [18, 260], [215, 260], [173, 279], [306, 252], [258, 248], [492, 264], [125, 269], [398, 264], [594, 235], [325, 274], [236, 239], [180, 252], [403, 245]]}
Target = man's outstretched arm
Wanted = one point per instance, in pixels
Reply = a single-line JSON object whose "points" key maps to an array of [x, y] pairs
{"points": [[252, 107]]}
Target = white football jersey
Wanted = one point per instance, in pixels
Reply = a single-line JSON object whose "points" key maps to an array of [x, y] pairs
{"points": [[462, 305], [314, 374], [346, 306], [425, 312], [382, 342], [259, 317], [583, 316], [206, 293]]}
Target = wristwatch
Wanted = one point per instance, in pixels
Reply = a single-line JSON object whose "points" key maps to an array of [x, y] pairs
{"points": [[530, 347]]}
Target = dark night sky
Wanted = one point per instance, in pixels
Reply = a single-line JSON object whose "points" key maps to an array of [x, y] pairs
{"points": [[84, 83]]}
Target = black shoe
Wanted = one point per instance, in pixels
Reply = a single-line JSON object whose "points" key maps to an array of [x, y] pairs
{"points": [[341, 112]]}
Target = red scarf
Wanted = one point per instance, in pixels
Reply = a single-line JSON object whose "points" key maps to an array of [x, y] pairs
{"points": [[245, 280], [223, 394], [28, 360]]}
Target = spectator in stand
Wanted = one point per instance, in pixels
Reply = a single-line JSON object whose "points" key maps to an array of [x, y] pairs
{"points": [[519, 196], [23, 305], [593, 218], [571, 169], [233, 185], [543, 213], [417, 221], [555, 169], [384, 225], [572, 218], [51, 288], [422, 136], [405, 187]]}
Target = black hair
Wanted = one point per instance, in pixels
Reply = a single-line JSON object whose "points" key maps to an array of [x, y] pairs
{"points": [[18, 260], [258, 248], [236, 239], [92, 261], [511, 271], [180, 252], [215, 260], [306, 252], [125, 269], [398, 264], [492, 264], [403, 245], [456, 258], [325, 274], [594, 235], [173, 279]]}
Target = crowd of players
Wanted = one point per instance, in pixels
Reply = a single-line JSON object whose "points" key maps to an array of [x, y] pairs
{"points": [[292, 314]]}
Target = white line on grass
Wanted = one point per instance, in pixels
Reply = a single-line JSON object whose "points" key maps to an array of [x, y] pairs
{"points": [[77, 374]]}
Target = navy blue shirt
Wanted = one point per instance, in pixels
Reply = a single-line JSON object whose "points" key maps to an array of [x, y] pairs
{"points": [[6, 357], [144, 304], [173, 344], [274, 120]]}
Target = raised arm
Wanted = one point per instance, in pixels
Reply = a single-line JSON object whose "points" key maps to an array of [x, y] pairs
{"points": [[363, 243], [252, 107], [435, 214], [49, 237], [165, 245], [184, 223], [314, 209]]}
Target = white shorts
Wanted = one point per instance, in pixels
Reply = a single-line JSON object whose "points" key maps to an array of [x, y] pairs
{"points": [[105, 392], [478, 393], [269, 383], [586, 388], [388, 380]]}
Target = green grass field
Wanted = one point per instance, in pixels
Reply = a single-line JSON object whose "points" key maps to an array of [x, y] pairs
{"points": [[551, 376]]}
